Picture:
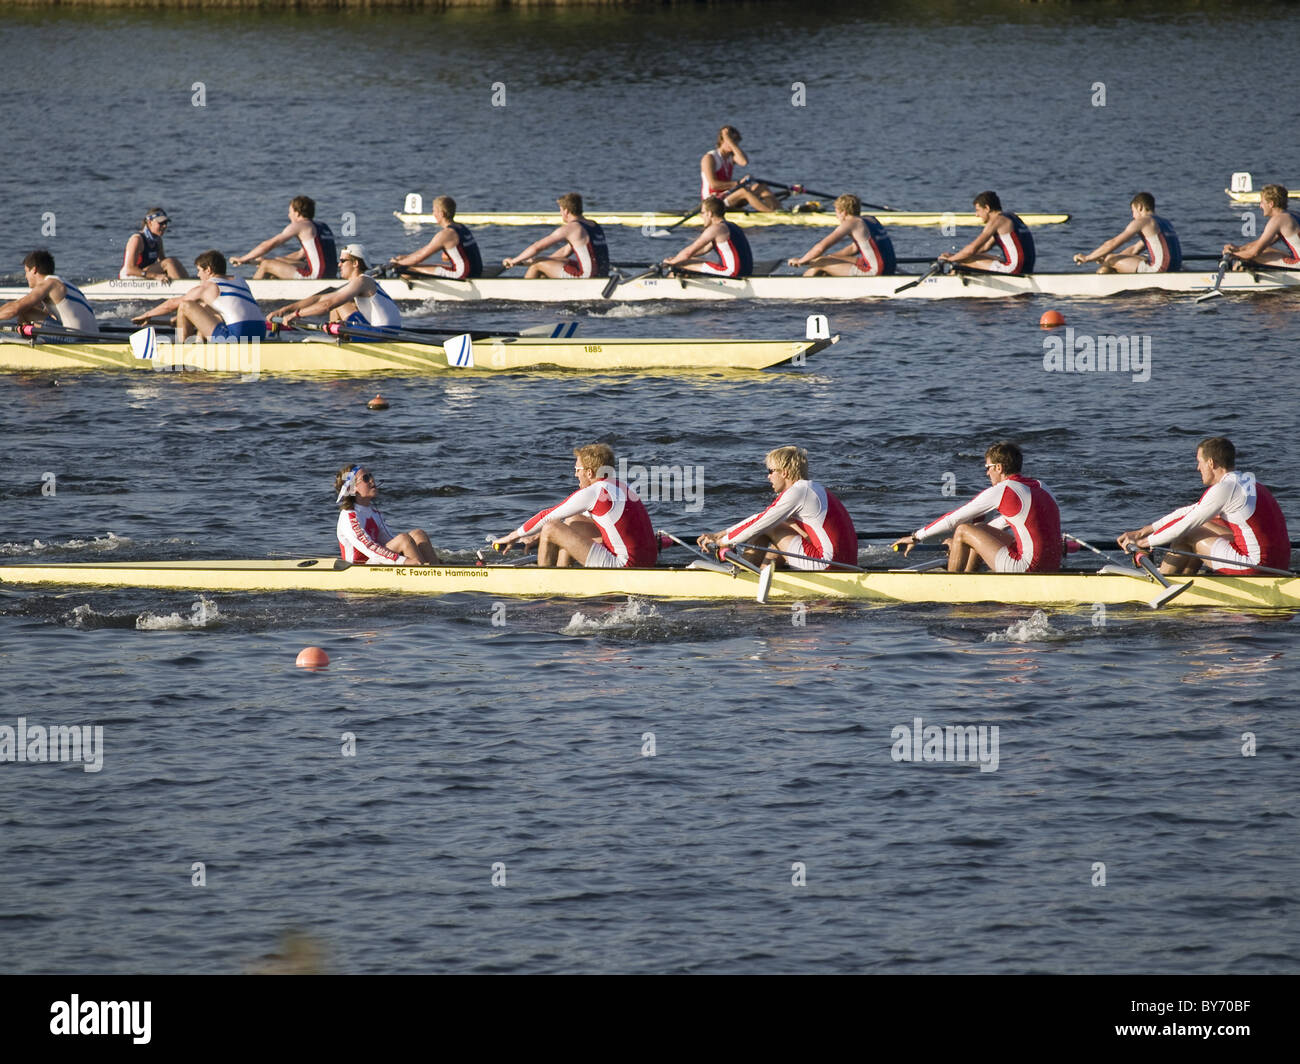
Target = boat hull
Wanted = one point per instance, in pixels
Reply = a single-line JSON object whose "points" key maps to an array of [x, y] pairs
{"points": [[792, 288], [661, 219], [494, 355], [329, 574]]}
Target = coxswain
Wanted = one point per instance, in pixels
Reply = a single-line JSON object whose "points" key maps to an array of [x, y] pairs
{"points": [[361, 301], [219, 307], [145, 255], [868, 251], [456, 244], [583, 251], [1003, 231], [1155, 247], [717, 170], [51, 300], [364, 536], [315, 260], [1024, 537], [1281, 226], [1237, 522], [726, 239], [804, 519], [602, 525]]}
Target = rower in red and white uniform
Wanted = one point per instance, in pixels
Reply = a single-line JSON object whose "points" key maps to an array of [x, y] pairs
{"points": [[868, 251], [456, 244], [726, 239], [718, 168], [364, 535], [1156, 248], [1002, 231], [1237, 522], [804, 519], [1024, 537], [50, 299], [361, 301], [601, 525], [583, 251], [145, 256], [1281, 226], [316, 257], [219, 307]]}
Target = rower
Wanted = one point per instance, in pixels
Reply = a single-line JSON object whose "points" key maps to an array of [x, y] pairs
{"points": [[583, 251], [1281, 226], [717, 168], [145, 256], [364, 536], [219, 307], [601, 525], [314, 260], [1154, 235], [1236, 521], [1025, 537], [51, 300], [725, 238], [359, 302], [868, 251], [804, 519], [459, 249], [1002, 230]]}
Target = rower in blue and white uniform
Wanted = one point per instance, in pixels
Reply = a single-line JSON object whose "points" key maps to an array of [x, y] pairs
{"points": [[1156, 248], [145, 255], [219, 307], [727, 240], [51, 300], [361, 302], [1003, 231]]}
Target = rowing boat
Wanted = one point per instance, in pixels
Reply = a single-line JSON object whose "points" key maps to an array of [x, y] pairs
{"points": [[1242, 189], [965, 285], [661, 219], [250, 358], [331, 574]]}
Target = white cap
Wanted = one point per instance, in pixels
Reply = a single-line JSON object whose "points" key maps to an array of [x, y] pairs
{"points": [[356, 251]]}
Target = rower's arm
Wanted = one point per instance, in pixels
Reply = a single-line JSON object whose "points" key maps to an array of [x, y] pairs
{"points": [[129, 268], [980, 243], [1264, 240], [321, 302], [822, 246], [283, 237], [30, 301], [207, 289], [704, 240], [1110, 245], [416, 257], [532, 249]]}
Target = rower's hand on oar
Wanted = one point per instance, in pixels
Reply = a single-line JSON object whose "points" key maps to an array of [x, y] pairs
{"points": [[708, 541], [905, 544], [1080, 259]]}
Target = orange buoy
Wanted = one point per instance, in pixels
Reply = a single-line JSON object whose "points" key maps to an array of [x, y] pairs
{"points": [[1051, 319], [378, 403], [312, 658]]}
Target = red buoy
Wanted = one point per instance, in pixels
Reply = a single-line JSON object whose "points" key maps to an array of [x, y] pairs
{"points": [[1051, 319], [312, 658]]}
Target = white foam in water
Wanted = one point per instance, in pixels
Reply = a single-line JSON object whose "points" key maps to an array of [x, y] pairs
{"points": [[632, 612], [203, 614], [634, 310], [81, 617], [108, 541], [1035, 628]]}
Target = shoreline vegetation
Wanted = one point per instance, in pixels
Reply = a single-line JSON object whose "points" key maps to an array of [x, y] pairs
{"points": [[331, 5]]}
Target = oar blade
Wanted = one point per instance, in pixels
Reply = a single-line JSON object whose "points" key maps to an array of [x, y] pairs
{"points": [[460, 351], [1171, 591]]}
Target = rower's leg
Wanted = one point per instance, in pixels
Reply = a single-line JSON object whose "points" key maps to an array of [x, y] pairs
{"points": [[196, 315], [564, 543], [552, 268], [174, 268], [972, 544], [423, 547], [281, 268]]}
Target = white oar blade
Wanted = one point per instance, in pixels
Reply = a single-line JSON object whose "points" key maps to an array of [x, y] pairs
{"points": [[764, 583], [1172, 591], [144, 343], [460, 351]]}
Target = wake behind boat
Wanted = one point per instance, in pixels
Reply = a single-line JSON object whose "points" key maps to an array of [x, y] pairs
{"points": [[1110, 586]]}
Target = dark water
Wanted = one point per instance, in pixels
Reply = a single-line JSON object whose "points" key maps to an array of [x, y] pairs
{"points": [[522, 743]]}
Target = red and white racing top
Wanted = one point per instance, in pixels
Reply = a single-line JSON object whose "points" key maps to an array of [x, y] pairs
{"points": [[362, 533], [723, 168], [1024, 506], [1258, 528], [825, 525], [624, 522]]}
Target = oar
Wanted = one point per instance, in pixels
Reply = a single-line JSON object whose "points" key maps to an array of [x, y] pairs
{"points": [[1218, 279], [427, 336], [885, 535], [1171, 590], [1221, 561], [804, 190], [938, 265], [658, 233], [703, 560], [800, 557], [34, 331], [616, 279]]}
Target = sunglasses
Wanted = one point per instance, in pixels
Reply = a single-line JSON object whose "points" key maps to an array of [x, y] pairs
{"points": [[366, 478], [771, 471]]}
